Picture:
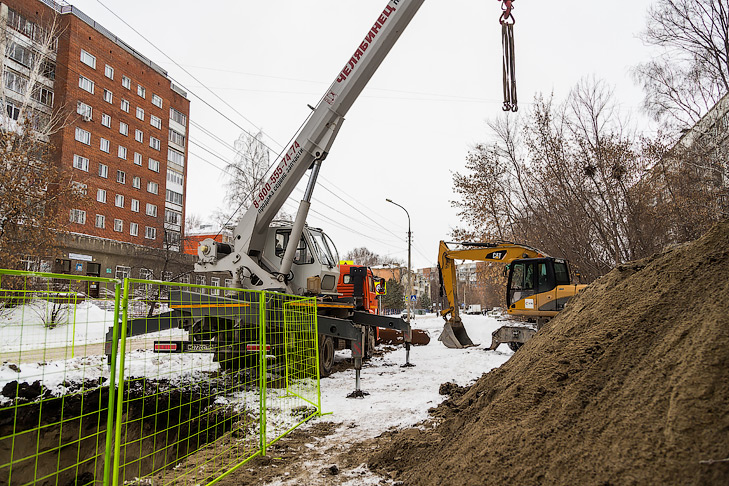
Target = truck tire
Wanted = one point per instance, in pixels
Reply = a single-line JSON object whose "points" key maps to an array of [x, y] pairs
{"points": [[326, 355], [369, 342], [515, 346]]}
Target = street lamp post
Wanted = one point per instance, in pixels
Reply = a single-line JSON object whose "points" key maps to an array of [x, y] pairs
{"points": [[410, 287]]}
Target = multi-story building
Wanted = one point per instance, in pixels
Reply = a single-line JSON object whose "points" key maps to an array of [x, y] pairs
{"points": [[125, 126], [709, 141]]}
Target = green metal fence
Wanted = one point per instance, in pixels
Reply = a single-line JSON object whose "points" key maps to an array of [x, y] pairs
{"points": [[109, 382]]}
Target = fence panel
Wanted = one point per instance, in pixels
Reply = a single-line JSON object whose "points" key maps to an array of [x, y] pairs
{"points": [[193, 403], [292, 381], [106, 384], [54, 377]]}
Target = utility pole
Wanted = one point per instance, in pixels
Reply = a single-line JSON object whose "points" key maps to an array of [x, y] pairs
{"points": [[410, 284]]}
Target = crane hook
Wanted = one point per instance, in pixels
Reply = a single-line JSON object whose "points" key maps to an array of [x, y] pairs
{"points": [[506, 6], [509, 68]]}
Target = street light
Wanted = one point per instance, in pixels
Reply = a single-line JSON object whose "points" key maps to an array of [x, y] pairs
{"points": [[410, 287]]}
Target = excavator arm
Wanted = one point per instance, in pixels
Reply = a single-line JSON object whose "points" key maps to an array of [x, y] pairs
{"points": [[454, 333]]}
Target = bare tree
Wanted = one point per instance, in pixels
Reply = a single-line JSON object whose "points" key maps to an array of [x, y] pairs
{"points": [[572, 181], [364, 256], [692, 72], [246, 172]]}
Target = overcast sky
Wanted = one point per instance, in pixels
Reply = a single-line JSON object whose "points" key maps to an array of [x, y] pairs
{"points": [[414, 124]]}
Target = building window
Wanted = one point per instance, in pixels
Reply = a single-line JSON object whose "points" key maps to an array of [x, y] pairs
{"points": [[152, 187], [175, 157], [137, 158], [153, 165], [119, 200], [122, 272], [100, 221], [106, 120], [43, 95], [155, 121], [134, 229], [80, 188], [150, 233], [175, 177], [200, 280], [173, 197], [173, 217], [84, 110], [140, 113], [103, 171], [125, 105], [157, 101], [13, 111], [81, 163], [118, 225], [21, 54], [126, 82], [16, 82], [151, 210], [109, 72], [137, 182], [121, 177], [135, 205], [86, 84], [123, 128], [122, 152], [101, 195], [177, 138], [83, 136], [215, 282], [104, 145], [178, 116], [88, 59], [108, 96], [229, 283], [155, 143], [141, 91], [139, 135], [78, 216]]}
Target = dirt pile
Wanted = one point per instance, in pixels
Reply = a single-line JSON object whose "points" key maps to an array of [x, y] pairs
{"points": [[629, 385]]}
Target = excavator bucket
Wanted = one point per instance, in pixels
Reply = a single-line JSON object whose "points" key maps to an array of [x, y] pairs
{"points": [[454, 336]]}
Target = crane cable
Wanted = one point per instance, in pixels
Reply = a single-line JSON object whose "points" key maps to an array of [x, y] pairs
{"points": [[507, 41]]}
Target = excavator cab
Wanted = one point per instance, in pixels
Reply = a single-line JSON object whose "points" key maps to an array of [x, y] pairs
{"points": [[536, 285]]}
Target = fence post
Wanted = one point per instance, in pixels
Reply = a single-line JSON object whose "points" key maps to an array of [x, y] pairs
{"points": [[262, 368], [120, 392], [112, 384]]}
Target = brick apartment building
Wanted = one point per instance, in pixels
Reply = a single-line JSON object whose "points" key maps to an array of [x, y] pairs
{"points": [[125, 138]]}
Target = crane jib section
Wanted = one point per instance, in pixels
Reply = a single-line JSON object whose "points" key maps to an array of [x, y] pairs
{"points": [[277, 177], [369, 38]]}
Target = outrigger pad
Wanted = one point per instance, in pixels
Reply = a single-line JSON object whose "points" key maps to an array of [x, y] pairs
{"points": [[455, 337]]}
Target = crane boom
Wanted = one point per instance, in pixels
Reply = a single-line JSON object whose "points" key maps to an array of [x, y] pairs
{"points": [[309, 148]]}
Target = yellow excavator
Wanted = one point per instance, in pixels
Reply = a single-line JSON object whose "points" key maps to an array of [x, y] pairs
{"points": [[538, 288]]}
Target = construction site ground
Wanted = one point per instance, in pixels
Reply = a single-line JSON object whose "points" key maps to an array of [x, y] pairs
{"points": [[628, 386]]}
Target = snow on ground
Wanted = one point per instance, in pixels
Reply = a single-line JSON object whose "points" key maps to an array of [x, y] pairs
{"points": [[27, 327], [399, 397]]}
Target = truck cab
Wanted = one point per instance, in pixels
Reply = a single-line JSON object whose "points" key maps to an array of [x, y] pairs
{"points": [[315, 270]]}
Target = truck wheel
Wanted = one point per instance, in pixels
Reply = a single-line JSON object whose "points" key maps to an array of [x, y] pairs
{"points": [[515, 346], [369, 342], [326, 355]]}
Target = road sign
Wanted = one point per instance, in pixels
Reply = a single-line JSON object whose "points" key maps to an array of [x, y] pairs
{"points": [[413, 298], [381, 287]]}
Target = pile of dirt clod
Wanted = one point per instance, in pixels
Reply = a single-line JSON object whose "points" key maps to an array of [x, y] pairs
{"points": [[629, 385]]}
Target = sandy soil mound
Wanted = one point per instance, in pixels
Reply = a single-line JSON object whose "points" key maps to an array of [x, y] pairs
{"points": [[629, 385]]}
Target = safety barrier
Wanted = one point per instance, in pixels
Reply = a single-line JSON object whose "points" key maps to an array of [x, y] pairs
{"points": [[147, 381]]}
